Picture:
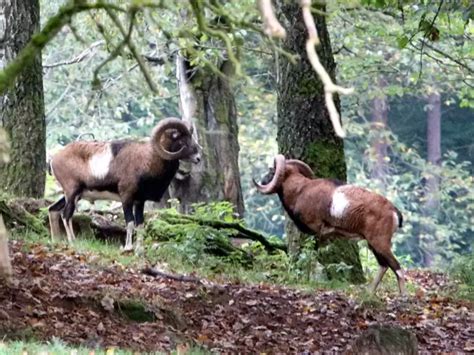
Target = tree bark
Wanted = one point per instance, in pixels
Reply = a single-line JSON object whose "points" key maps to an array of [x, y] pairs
{"points": [[433, 137], [379, 126], [305, 131], [22, 106], [217, 177], [5, 264]]}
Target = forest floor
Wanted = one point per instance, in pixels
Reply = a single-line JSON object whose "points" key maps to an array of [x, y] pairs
{"points": [[59, 293]]}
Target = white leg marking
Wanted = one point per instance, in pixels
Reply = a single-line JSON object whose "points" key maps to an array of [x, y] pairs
{"points": [[378, 278], [68, 232], [401, 282], [100, 162], [128, 241], [71, 229], [339, 204]]}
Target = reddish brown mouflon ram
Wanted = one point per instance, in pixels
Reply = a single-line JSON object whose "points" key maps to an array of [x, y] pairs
{"points": [[328, 208], [128, 171]]}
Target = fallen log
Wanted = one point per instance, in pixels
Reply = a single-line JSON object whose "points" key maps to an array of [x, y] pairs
{"points": [[240, 231]]}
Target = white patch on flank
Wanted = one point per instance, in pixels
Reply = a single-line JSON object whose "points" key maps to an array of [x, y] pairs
{"points": [[100, 162], [339, 204], [395, 219], [94, 195]]}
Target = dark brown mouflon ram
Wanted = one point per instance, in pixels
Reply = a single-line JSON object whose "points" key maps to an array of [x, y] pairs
{"points": [[128, 171], [329, 208]]}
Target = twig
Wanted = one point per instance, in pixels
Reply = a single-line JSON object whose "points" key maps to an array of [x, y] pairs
{"points": [[203, 26], [271, 26], [128, 39], [434, 49], [41, 39], [329, 87], [58, 101], [77, 59], [425, 36], [156, 273]]}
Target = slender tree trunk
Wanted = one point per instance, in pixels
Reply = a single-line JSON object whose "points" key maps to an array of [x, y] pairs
{"points": [[22, 106], [433, 137], [5, 264], [305, 131], [211, 102], [379, 126]]}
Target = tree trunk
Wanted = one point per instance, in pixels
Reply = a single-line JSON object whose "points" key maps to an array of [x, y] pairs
{"points": [[22, 106], [304, 129], [210, 101], [5, 264], [433, 137], [379, 126]]}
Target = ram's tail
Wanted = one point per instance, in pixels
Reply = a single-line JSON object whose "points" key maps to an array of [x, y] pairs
{"points": [[400, 218]]}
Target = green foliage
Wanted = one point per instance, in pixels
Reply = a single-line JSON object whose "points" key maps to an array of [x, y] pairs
{"points": [[462, 268], [53, 347]]}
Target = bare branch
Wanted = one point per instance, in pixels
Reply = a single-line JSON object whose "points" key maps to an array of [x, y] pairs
{"points": [[87, 53], [41, 39], [444, 54], [426, 35], [127, 39], [329, 87], [271, 26]]}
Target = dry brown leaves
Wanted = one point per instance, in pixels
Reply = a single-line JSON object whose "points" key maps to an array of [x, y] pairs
{"points": [[59, 294]]}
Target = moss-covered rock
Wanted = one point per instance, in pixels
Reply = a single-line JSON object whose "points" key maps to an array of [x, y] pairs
{"points": [[385, 340]]}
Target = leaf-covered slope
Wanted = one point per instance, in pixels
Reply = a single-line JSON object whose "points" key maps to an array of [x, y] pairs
{"points": [[64, 294]]}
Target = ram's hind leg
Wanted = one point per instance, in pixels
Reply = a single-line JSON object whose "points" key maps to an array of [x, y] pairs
{"points": [[386, 259], [395, 266], [68, 212], [383, 266], [54, 215]]}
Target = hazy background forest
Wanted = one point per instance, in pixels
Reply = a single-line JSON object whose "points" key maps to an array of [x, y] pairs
{"points": [[386, 150]]}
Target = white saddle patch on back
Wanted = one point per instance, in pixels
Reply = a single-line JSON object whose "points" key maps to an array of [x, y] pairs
{"points": [[100, 162], [339, 204]]}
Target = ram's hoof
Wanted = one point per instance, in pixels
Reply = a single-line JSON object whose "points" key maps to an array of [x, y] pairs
{"points": [[126, 248]]}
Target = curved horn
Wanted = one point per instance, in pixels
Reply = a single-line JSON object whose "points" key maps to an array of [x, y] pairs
{"points": [[302, 167], [164, 125], [273, 185]]}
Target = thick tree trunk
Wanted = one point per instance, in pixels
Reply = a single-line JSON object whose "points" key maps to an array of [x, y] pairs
{"points": [[379, 126], [304, 129], [22, 107], [433, 137], [217, 177]]}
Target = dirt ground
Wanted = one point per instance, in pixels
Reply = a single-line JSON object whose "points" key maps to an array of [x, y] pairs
{"points": [[63, 294]]}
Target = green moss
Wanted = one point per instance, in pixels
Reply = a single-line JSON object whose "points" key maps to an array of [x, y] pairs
{"points": [[327, 158], [336, 256]]}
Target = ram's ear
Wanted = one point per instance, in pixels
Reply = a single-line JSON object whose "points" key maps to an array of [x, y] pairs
{"points": [[173, 134]]}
